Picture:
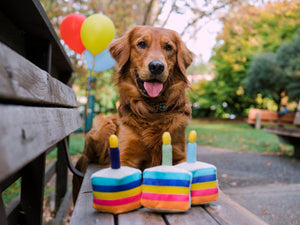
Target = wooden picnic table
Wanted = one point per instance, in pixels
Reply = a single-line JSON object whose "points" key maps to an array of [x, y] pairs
{"points": [[287, 135], [290, 134], [223, 211]]}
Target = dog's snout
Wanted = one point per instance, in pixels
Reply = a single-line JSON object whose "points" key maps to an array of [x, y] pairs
{"points": [[156, 67]]}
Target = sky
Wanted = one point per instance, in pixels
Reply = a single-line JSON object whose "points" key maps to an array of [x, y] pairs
{"points": [[202, 44]]}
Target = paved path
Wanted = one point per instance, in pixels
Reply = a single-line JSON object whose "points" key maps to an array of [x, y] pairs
{"points": [[268, 186]]}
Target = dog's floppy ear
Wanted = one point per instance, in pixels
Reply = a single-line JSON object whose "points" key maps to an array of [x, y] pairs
{"points": [[184, 56], [120, 49]]}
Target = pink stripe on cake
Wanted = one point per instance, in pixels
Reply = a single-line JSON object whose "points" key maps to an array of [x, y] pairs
{"points": [[166, 197], [204, 192], [116, 202]]}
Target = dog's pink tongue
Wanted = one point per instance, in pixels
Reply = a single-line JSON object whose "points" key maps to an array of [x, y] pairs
{"points": [[153, 88]]}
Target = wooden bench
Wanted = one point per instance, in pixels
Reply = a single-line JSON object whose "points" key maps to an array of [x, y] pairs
{"points": [[289, 135], [38, 112], [223, 211], [258, 117]]}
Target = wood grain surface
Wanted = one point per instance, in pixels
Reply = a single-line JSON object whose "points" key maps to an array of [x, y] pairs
{"points": [[26, 132], [224, 211], [20, 80]]}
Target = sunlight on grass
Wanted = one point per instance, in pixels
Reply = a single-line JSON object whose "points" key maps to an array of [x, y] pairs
{"points": [[237, 136], [76, 143]]}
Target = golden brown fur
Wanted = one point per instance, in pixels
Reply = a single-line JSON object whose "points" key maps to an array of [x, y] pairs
{"points": [[143, 119]]}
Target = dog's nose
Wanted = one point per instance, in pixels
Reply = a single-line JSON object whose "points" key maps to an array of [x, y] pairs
{"points": [[156, 67]]}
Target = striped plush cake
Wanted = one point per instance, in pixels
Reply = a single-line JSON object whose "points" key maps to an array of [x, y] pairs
{"points": [[116, 189], [204, 186], [165, 187]]}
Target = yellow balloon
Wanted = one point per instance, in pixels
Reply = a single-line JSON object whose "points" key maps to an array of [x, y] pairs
{"points": [[97, 32]]}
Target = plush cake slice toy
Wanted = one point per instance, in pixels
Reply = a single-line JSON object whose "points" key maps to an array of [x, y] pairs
{"points": [[166, 188], [116, 189], [204, 187]]}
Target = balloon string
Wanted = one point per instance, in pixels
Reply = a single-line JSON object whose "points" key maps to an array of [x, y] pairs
{"points": [[88, 92], [87, 102], [93, 63]]}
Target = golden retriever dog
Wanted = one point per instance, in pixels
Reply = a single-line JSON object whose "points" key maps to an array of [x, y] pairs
{"points": [[152, 83]]}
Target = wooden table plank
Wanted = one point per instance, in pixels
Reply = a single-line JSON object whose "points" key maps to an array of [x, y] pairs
{"points": [[28, 131], [20, 80], [195, 216], [84, 213], [226, 211], [141, 216]]}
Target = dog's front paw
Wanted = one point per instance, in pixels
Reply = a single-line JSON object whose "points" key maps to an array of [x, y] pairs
{"points": [[109, 127], [103, 128]]}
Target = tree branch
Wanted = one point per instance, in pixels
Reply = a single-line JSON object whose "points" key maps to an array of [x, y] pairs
{"points": [[202, 14], [148, 10], [170, 12]]}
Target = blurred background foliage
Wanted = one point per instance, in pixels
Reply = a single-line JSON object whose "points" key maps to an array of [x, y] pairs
{"points": [[255, 62]]}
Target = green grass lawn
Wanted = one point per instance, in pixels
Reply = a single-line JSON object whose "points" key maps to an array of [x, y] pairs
{"points": [[237, 136]]}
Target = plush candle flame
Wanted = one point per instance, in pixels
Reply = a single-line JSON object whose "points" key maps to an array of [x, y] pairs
{"points": [[192, 147], [192, 136], [166, 150], [113, 141], [114, 152], [166, 138]]}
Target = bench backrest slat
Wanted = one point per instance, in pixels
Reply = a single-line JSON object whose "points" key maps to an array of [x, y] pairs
{"points": [[270, 116], [22, 81], [29, 131]]}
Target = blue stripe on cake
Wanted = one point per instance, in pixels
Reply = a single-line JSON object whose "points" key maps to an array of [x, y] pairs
{"points": [[205, 178], [108, 181], [124, 187], [166, 175], [166, 182], [203, 172]]}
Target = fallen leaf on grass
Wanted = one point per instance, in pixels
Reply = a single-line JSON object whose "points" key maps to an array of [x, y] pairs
{"points": [[251, 141], [244, 147], [267, 144]]}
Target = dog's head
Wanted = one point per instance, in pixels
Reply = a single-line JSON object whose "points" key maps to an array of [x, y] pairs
{"points": [[152, 57]]}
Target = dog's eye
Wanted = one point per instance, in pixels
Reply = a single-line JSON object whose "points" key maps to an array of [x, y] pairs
{"points": [[168, 48], [142, 44]]}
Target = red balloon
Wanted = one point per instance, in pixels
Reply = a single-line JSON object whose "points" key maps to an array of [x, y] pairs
{"points": [[70, 31]]}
